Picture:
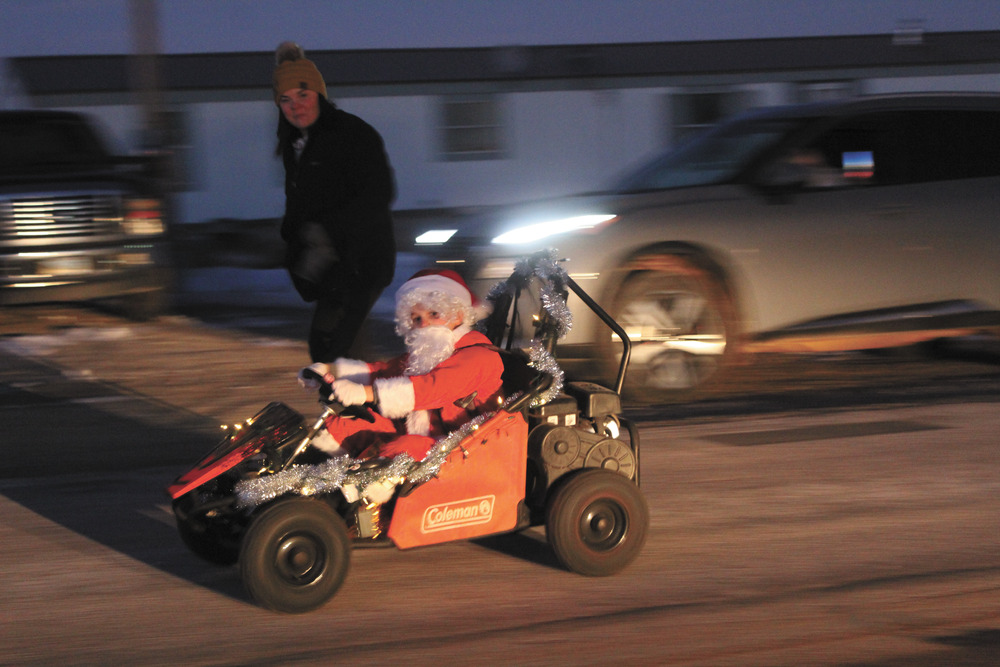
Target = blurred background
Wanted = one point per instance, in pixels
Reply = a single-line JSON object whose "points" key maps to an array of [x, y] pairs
{"points": [[480, 104]]}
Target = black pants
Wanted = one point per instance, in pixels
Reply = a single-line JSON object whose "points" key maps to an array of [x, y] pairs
{"points": [[337, 321]]}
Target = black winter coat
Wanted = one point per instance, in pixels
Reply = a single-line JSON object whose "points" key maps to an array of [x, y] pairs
{"points": [[338, 195]]}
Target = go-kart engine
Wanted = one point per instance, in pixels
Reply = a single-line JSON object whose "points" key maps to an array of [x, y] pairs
{"points": [[561, 449]]}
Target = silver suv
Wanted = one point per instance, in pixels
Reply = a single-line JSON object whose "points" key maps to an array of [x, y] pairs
{"points": [[843, 225], [76, 223]]}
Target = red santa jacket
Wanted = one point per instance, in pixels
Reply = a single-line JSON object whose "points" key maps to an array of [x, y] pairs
{"points": [[471, 374]]}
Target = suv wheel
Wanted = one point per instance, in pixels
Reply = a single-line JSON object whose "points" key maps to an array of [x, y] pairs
{"points": [[682, 325]]}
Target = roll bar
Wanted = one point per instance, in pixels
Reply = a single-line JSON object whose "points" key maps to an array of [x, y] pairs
{"points": [[610, 321]]}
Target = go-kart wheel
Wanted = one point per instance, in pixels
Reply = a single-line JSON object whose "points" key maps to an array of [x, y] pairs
{"points": [[597, 522], [207, 546], [295, 556]]}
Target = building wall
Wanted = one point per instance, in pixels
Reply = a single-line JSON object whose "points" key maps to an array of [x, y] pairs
{"points": [[231, 168], [970, 83], [557, 141]]}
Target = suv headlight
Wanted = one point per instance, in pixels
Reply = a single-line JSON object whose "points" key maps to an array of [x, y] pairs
{"points": [[541, 230], [435, 237]]}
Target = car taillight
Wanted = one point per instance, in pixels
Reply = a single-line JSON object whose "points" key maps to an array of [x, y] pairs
{"points": [[143, 217]]}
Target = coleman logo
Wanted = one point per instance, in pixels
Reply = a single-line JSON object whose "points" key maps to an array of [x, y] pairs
{"points": [[467, 512]]}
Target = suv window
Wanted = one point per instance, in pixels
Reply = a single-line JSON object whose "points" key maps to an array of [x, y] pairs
{"points": [[951, 144], [717, 156], [860, 150], [900, 147], [877, 148]]}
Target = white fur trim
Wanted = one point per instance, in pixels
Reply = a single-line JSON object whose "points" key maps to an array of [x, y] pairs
{"points": [[352, 369], [418, 422], [325, 442], [396, 397], [435, 283]]}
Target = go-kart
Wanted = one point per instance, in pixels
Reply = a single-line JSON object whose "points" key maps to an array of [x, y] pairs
{"points": [[555, 454]]}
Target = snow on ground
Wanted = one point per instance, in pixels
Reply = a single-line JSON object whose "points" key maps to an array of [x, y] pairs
{"points": [[42, 345]]}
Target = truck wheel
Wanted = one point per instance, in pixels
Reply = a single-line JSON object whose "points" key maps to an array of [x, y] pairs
{"points": [[147, 305], [207, 546], [597, 522], [295, 556], [682, 324]]}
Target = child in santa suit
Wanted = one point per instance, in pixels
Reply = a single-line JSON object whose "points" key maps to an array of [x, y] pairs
{"points": [[448, 375]]}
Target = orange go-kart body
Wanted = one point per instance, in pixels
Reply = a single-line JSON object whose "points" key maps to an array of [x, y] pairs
{"points": [[477, 492]]}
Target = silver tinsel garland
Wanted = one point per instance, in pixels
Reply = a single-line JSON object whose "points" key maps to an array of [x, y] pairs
{"points": [[554, 278], [545, 266], [543, 360], [326, 477], [308, 480]]}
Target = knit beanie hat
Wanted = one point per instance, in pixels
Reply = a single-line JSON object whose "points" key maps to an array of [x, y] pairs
{"points": [[293, 70]]}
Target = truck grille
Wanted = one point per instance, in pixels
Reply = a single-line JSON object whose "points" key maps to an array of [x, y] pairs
{"points": [[60, 216]]}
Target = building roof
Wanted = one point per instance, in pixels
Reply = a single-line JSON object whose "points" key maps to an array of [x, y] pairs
{"points": [[62, 75]]}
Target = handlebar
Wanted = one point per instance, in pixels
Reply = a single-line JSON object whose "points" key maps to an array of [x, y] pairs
{"points": [[341, 410]]}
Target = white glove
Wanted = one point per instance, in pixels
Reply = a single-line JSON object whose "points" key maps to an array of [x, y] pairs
{"points": [[349, 393], [381, 491], [308, 376]]}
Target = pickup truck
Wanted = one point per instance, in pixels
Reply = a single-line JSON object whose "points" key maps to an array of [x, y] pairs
{"points": [[76, 222]]}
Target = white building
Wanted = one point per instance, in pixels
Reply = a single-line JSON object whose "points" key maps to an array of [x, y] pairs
{"points": [[467, 127]]}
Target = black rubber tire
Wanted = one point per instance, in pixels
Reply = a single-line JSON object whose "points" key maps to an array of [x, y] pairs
{"points": [[689, 324], [207, 546], [295, 556], [597, 522], [157, 300], [147, 306]]}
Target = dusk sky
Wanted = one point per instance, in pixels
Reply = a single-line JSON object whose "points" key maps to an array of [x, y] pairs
{"points": [[71, 27]]}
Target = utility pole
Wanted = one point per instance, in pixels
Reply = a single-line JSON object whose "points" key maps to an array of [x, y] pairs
{"points": [[144, 71], [156, 143]]}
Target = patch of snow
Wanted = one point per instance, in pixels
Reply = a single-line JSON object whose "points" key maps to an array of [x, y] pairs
{"points": [[42, 345]]}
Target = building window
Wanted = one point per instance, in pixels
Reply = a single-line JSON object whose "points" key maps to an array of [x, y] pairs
{"points": [[472, 128], [695, 111]]}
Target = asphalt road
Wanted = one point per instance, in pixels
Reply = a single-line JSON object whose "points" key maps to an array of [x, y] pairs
{"points": [[831, 511]]}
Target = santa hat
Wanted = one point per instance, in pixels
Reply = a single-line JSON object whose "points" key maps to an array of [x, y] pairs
{"points": [[445, 281], [440, 288]]}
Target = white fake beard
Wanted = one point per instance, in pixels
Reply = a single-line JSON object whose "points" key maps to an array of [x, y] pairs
{"points": [[428, 347]]}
